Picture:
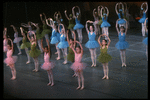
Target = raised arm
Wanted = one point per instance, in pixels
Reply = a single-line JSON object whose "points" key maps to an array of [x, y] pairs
{"points": [[99, 40], [126, 25], [51, 22], [146, 7], [11, 44], [101, 12], [94, 12], [66, 14], [107, 11], [42, 44], [29, 37], [25, 25], [55, 15], [73, 12], [80, 47], [79, 10], [122, 7], [68, 37], [117, 27], [74, 38], [116, 8], [14, 28], [87, 30]]}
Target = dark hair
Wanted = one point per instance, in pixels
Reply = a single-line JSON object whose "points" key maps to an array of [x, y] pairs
{"points": [[105, 41], [123, 28], [121, 15], [49, 50], [71, 39], [78, 47]]}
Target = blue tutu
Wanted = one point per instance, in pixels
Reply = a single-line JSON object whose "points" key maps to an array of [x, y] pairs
{"points": [[122, 44], [121, 21], [105, 23], [142, 20], [78, 25], [54, 38], [62, 43], [145, 41], [92, 43], [58, 36]]}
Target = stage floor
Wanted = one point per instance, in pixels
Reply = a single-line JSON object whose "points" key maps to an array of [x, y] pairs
{"points": [[123, 82]]}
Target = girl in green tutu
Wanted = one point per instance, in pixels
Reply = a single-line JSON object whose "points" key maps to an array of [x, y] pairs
{"points": [[25, 45], [45, 31], [104, 57], [34, 52]]}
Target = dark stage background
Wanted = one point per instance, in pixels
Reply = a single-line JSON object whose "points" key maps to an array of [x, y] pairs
{"points": [[22, 12]]}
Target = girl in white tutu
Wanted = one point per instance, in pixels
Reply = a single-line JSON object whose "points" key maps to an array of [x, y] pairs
{"points": [[48, 65], [17, 39], [10, 60]]}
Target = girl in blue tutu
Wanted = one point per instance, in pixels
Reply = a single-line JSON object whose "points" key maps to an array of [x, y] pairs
{"points": [[92, 44], [63, 44], [143, 14], [55, 37], [122, 45], [145, 41], [121, 20], [105, 24], [45, 31], [78, 27]]}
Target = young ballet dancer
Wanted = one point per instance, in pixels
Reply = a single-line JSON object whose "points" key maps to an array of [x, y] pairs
{"points": [[71, 22], [145, 41], [78, 26], [34, 52], [10, 60], [96, 22], [100, 18], [121, 20], [55, 37], [28, 26], [5, 41], [63, 44], [25, 45], [38, 35], [105, 24], [78, 66], [104, 57], [92, 44], [17, 39], [45, 31], [48, 65], [122, 45], [143, 14]]}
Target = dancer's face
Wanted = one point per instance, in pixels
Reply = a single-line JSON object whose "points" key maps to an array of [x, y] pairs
{"points": [[8, 47], [122, 29], [78, 50], [46, 49], [91, 28], [103, 42], [71, 41], [32, 39]]}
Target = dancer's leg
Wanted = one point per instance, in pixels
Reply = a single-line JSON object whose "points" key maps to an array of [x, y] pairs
{"points": [[26, 50], [79, 80], [107, 70], [18, 48], [143, 29], [121, 56], [82, 79], [13, 71], [92, 56]]}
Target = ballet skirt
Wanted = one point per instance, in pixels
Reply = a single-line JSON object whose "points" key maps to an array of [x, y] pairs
{"points": [[54, 38], [25, 44], [34, 52], [70, 56], [104, 57], [71, 23], [45, 30], [121, 21], [78, 65], [145, 41], [62, 43], [4, 45], [105, 23], [142, 20], [38, 35], [122, 44], [17, 39], [78, 25], [10, 59], [47, 65], [100, 22], [92, 43]]}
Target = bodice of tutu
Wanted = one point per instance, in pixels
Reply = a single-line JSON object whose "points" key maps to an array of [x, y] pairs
{"points": [[103, 50], [37, 31], [30, 28], [4, 42], [44, 26], [144, 15], [91, 37], [9, 53], [46, 57], [78, 57], [54, 33], [77, 21], [122, 37], [33, 46], [24, 39], [62, 38], [104, 20], [71, 21], [119, 16], [16, 34]]}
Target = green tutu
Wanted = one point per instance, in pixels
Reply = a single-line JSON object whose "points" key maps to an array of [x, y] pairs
{"points": [[25, 44], [34, 52], [38, 35], [100, 22], [70, 56], [71, 26], [104, 57]]}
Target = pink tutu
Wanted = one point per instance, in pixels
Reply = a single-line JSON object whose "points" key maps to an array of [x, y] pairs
{"points": [[78, 66], [10, 60], [17, 39], [47, 65]]}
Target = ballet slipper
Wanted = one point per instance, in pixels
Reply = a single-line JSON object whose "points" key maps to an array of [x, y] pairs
{"points": [[92, 65], [52, 84], [82, 88], [48, 83], [104, 77], [13, 78], [65, 62], [107, 77], [34, 70], [78, 87], [27, 62], [19, 53], [57, 58]]}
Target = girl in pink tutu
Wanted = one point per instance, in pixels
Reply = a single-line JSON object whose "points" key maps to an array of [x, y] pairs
{"points": [[10, 60], [78, 66], [5, 40], [17, 39], [48, 65]]}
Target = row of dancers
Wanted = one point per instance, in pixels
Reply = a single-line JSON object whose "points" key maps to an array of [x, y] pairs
{"points": [[58, 38]]}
